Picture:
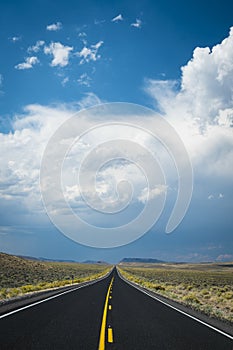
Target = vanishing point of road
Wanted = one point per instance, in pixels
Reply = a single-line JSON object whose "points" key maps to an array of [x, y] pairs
{"points": [[109, 314]]}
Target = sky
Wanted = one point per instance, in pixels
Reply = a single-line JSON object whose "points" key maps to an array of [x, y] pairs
{"points": [[152, 63]]}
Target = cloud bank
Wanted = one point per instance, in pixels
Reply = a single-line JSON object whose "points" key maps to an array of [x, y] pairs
{"points": [[199, 106]]}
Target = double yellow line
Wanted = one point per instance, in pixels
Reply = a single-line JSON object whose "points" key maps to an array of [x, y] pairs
{"points": [[104, 320]]}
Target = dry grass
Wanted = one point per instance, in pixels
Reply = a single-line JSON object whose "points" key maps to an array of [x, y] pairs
{"points": [[204, 287], [19, 276]]}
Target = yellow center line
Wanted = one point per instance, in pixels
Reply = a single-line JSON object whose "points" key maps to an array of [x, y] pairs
{"points": [[110, 335], [104, 319]]}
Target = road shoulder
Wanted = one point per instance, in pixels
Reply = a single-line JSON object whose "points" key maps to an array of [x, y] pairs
{"points": [[212, 322]]}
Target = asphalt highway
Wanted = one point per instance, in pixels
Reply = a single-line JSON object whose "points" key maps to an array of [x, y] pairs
{"points": [[107, 315]]}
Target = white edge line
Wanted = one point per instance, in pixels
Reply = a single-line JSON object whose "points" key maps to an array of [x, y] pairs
{"points": [[173, 307], [55, 296]]}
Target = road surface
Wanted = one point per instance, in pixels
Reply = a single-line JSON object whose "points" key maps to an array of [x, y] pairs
{"points": [[107, 315]]}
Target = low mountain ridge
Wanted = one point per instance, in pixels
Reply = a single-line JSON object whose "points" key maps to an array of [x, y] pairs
{"points": [[141, 260]]}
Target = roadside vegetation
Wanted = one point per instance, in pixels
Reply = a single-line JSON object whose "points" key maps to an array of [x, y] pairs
{"points": [[19, 276], [204, 287]]}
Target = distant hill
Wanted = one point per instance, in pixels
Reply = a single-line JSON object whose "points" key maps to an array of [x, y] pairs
{"points": [[141, 260], [18, 271], [95, 262], [58, 260], [62, 260], [45, 259]]}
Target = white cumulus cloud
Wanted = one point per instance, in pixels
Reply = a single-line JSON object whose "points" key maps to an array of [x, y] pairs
{"points": [[225, 257], [200, 107], [82, 35], [28, 64], [137, 23], [65, 81], [14, 39], [146, 195], [22, 150], [219, 196], [118, 18], [54, 26], [88, 54], [84, 79], [60, 53], [37, 46]]}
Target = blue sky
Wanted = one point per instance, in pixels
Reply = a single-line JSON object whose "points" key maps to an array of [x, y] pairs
{"points": [[59, 57]]}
